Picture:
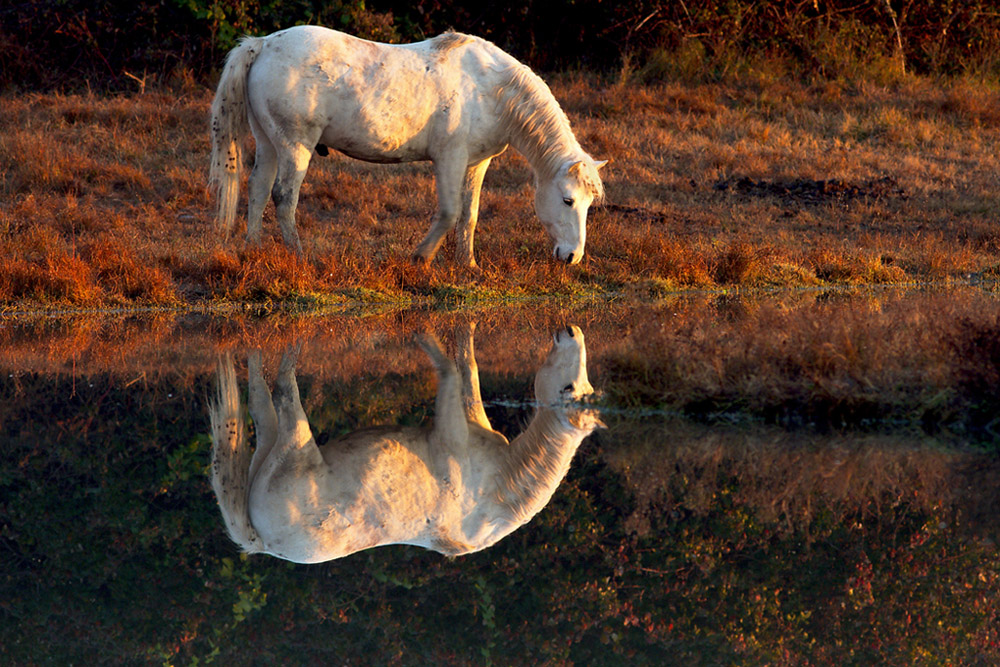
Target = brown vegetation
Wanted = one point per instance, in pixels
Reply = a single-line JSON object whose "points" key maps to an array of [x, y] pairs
{"points": [[338, 346], [756, 182]]}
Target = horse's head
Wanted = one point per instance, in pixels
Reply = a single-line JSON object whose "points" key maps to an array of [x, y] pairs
{"points": [[562, 379], [561, 203]]}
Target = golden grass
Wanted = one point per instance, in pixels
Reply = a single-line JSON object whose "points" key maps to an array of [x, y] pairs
{"points": [[103, 200], [338, 346]]}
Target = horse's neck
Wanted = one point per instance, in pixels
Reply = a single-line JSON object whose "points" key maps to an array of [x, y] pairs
{"points": [[534, 123], [535, 463]]}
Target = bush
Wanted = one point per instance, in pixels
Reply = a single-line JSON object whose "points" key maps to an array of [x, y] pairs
{"points": [[74, 44]]}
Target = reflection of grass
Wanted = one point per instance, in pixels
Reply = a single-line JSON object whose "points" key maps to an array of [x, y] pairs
{"points": [[104, 201], [921, 361], [872, 360], [815, 545], [790, 481]]}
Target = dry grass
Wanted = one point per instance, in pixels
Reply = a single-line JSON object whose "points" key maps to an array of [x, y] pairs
{"points": [[337, 346], [104, 200]]}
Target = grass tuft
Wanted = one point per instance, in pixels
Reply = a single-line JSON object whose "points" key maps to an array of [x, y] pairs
{"points": [[742, 263], [125, 275]]}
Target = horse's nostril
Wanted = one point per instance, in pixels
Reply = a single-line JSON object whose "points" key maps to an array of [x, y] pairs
{"points": [[569, 330], [569, 258]]}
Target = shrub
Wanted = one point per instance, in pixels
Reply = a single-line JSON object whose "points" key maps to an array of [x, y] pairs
{"points": [[116, 44]]}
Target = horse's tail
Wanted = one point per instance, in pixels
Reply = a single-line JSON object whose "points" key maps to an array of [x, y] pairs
{"points": [[229, 128], [231, 459]]}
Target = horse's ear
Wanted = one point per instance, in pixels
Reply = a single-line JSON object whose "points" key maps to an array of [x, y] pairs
{"points": [[574, 169], [587, 420]]}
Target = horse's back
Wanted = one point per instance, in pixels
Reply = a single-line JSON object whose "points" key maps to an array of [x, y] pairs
{"points": [[314, 56], [318, 42], [372, 101]]}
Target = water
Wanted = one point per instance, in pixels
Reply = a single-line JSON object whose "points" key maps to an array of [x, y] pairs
{"points": [[798, 478]]}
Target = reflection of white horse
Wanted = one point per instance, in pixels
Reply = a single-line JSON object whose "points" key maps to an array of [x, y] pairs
{"points": [[455, 100], [456, 487]]}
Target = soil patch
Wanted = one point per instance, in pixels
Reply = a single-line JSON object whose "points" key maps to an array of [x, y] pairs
{"points": [[813, 192], [636, 212]]}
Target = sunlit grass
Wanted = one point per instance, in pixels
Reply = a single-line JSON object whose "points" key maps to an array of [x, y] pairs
{"points": [[78, 173]]}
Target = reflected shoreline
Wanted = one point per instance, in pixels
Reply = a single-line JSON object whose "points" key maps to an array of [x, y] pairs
{"points": [[921, 360], [786, 479]]}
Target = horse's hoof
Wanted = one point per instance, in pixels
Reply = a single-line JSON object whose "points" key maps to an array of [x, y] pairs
{"points": [[430, 344], [290, 358], [419, 260]]}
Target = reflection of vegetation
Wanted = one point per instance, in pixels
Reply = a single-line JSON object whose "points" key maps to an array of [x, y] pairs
{"points": [[795, 542], [922, 361], [664, 546]]}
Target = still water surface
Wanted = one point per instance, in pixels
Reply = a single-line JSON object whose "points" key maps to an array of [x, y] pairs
{"points": [[805, 478]]}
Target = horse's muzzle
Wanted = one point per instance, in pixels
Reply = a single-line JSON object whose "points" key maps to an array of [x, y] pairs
{"points": [[570, 257]]}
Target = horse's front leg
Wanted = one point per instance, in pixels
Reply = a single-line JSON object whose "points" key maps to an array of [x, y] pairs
{"points": [[449, 170], [472, 399], [450, 430], [470, 213]]}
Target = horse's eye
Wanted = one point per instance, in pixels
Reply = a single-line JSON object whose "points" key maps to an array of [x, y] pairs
{"points": [[567, 201]]}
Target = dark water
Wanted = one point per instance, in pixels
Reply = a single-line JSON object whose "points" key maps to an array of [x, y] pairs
{"points": [[806, 478]]}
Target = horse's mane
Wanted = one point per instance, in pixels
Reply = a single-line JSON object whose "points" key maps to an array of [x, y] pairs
{"points": [[529, 113], [449, 40], [540, 129], [445, 544], [536, 461]]}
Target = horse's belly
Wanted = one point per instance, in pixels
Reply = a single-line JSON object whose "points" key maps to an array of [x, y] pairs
{"points": [[374, 151], [379, 131]]}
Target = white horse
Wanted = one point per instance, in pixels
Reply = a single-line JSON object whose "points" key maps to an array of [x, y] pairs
{"points": [[455, 488], [455, 100]]}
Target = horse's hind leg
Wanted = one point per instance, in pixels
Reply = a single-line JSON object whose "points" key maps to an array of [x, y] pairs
{"points": [[294, 452], [293, 426], [265, 421], [265, 168], [292, 165]]}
